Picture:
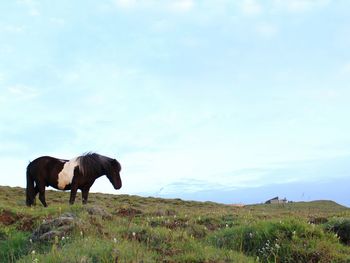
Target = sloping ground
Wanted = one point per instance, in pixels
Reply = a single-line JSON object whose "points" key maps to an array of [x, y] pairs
{"points": [[122, 228]]}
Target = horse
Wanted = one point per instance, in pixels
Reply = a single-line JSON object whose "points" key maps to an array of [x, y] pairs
{"points": [[77, 173]]}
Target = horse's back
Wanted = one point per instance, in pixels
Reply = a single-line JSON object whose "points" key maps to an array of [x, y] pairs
{"points": [[46, 159], [45, 165]]}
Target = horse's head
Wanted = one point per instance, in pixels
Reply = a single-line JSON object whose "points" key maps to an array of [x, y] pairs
{"points": [[114, 174]]}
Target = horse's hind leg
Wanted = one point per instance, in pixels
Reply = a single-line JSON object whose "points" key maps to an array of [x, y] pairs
{"points": [[36, 191], [85, 194], [41, 188]]}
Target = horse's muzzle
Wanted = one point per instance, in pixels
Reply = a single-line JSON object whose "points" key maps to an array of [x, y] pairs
{"points": [[118, 185]]}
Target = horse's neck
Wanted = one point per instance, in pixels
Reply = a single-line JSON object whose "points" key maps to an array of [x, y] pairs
{"points": [[98, 175]]}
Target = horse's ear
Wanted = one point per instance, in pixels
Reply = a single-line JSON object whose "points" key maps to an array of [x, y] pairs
{"points": [[114, 161]]}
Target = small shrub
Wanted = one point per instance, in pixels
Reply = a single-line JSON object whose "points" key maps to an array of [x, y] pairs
{"points": [[228, 221], [318, 220], [211, 223], [341, 227], [197, 231]]}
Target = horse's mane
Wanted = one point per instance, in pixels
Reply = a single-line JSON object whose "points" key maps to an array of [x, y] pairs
{"points": [[92, 163]]}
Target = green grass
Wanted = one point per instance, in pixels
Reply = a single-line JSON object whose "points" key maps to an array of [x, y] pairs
{"points": [[172, 230]]}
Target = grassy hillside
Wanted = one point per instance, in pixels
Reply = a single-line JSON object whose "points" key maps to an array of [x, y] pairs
{"points": [[122, 228]]}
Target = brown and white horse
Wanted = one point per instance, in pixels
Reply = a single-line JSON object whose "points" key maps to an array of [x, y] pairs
{"points": [[78, 173]]}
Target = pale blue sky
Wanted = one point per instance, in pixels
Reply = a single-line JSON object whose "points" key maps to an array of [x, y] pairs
{"points": [[189, 96]]}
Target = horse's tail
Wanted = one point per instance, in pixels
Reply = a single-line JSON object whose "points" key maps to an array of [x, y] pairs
{"points": [[30, 190]]}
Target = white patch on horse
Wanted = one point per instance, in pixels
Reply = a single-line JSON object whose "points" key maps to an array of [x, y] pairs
{"points": [[65, 177]]}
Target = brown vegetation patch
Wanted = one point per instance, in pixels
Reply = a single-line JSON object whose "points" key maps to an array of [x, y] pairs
{"points": [[26, 224], [128, 212], [177, 223], [8, 218], [167, 212]]}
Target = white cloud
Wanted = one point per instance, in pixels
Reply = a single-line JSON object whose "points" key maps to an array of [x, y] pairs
{"points": [[267, 30], [34, 12], [345, 69], [57, 21], [12, 28], [181, 6], [251, 7], [32, 7], [329, 94], [27, 2], [176, 6], [189, 185], [20, 91], [298, 6], [161, 26], [190, 42], [125, 3]]}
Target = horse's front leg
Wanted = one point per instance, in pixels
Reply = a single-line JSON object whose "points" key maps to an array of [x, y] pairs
{"points": [[73, 193], [85, 194]]}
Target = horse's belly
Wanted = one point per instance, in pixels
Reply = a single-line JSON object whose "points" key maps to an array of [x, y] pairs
{"points": [[67, 187]]}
